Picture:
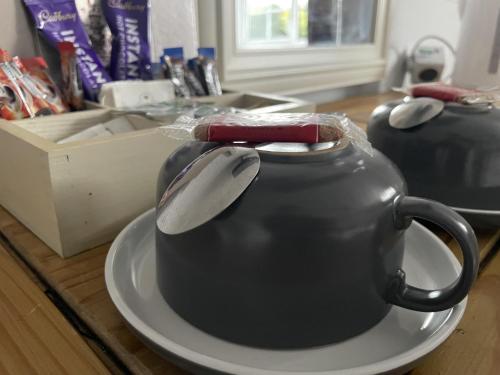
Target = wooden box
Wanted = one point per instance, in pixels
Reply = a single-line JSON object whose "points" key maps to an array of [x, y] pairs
{"points": [[78, 195]]}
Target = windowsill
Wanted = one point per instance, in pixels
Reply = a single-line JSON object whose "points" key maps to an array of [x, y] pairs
{"points": [[305, 80]]}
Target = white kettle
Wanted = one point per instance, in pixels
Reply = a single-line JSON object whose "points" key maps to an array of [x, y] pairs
{"points": [[478, 52]]}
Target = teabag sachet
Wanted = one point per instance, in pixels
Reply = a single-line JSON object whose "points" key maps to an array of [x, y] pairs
{"points": [[59, 21], [174, 69], [129, 24], [204, 68], [269, 127]]}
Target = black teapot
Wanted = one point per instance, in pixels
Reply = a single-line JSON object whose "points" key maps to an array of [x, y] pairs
{"points": [[310, 253]]}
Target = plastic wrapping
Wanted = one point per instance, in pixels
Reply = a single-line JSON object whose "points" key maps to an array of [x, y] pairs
{"points": [[269, 127], [177, 108]]}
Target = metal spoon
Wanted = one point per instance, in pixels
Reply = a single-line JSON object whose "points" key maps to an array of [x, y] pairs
{"points": [[415, 111], [206, 187]]}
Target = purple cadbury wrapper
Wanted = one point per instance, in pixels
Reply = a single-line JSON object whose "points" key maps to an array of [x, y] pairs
{"points": [[59, 21], [128, 21]]}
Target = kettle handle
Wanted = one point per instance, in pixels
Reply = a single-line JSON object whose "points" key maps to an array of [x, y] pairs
{"points": [[413, 298]]}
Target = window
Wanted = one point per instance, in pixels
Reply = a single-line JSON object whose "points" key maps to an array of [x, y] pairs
{"points": [[271, 24], [302, 23], [294, 46]]}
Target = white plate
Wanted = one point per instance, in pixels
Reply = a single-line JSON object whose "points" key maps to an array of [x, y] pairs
{"points": [[394, 345]]}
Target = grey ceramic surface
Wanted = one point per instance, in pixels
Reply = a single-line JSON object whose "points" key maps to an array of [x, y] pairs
{"points": [[453, 158], [315, 243], [392, 346]]}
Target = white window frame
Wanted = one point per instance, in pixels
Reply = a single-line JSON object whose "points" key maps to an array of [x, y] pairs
{"points": [[288, 70]]}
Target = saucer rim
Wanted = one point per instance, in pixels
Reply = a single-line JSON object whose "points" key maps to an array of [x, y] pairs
{"points": [[208, 362], [473, 211]]}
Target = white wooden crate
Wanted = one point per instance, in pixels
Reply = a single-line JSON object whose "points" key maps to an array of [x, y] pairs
{"points": [[78, 195]]}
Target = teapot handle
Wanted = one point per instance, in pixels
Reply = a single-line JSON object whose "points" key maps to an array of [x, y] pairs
{"points": [[413, 298]]}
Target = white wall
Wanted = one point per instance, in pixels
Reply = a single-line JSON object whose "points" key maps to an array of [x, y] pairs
{"points": [[174, 24], [15, 36], [409, 20]]}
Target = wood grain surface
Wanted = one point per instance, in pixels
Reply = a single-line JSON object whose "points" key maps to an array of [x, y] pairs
{"points": [[79, 280], [35, 338], [359, 108], [474, 347]]}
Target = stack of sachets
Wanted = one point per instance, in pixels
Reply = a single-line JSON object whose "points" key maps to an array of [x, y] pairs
{"points": [[199, 77]]}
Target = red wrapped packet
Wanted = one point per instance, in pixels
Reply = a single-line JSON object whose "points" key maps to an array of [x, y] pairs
{"points": [[305, 133], [13, 97], [448, 93], [71, 80], [26, 89]]}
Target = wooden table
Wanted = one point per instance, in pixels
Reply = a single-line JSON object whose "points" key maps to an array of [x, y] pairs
{"points": [[78, 289], [34, 336]]}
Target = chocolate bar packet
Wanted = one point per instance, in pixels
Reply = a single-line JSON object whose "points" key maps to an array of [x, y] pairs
{"points": [[129, 24], [58, 20], [173, 65]]}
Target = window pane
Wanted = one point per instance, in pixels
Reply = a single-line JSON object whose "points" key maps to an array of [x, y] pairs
{"points": [[257, 26], [300, 23], [323, 19], [280, 24], [358, 21], [303, 18], [268, 20]]}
